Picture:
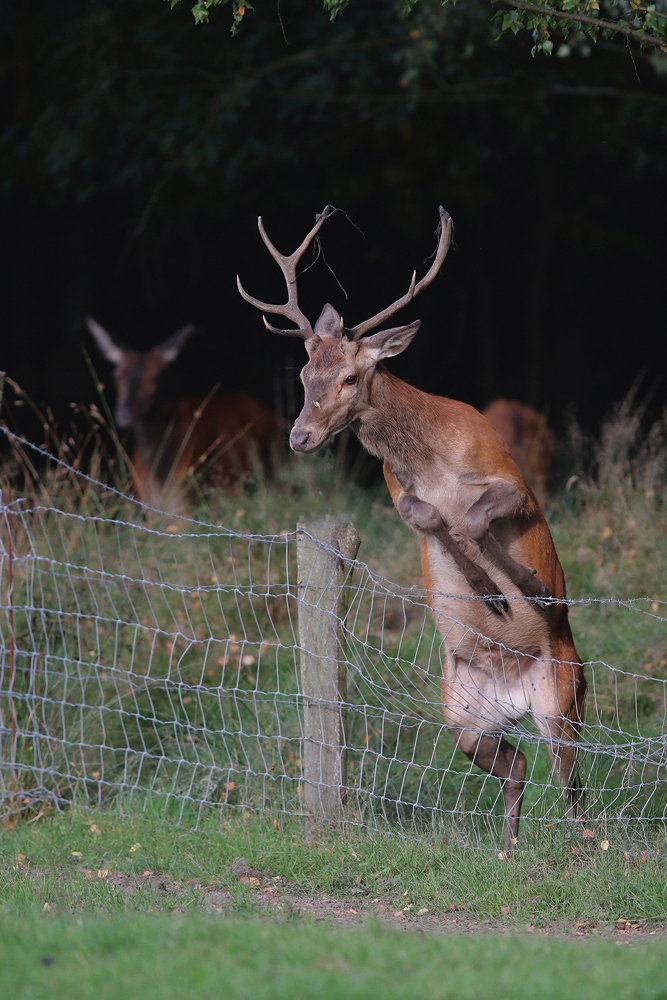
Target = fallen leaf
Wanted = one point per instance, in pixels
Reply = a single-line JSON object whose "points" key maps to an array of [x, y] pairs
{"points": [[399, 913], [20, 857], [77, 854], [249, 880], [135, 847], [172, 529], [530, 928], [574, 850], [424, 909], [146, 872], [606, 533], [94, 828], [46, 907], [351, 910], [604, 846], [504, 909], [103, 872], [96, 775], [588, 835]]}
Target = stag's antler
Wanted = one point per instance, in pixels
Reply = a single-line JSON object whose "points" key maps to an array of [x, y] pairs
{"points": [[287, 265], [446, 231]]}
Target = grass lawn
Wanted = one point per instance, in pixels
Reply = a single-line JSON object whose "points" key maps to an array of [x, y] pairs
{"points": [[114, 863], [199, 956]]}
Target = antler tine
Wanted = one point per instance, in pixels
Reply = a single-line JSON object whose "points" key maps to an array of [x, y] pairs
{"points": [[446, 233], [356, 332], [445, 239], [321, 219], [287, 265]]}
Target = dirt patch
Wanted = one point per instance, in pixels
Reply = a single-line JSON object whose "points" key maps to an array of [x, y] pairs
{"points": [[274, 897]]}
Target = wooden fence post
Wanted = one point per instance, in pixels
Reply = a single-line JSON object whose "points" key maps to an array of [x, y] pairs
{"points": [[323, 603]]}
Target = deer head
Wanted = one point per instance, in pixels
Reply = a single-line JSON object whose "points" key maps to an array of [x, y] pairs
{"points": [[136, 373], [340, 369]]}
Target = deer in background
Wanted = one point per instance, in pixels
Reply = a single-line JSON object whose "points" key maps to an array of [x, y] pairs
{"points": [[530, 441], [488, 559], [176, 439]]}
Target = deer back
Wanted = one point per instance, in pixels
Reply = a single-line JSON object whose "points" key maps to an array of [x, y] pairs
{"points": [[529, 439]]}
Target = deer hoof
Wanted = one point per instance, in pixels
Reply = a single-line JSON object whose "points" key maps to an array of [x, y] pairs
{"points": [[533, 586], [497, 604]]}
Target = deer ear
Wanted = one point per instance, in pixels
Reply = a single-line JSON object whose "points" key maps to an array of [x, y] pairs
{"points": [[170, 348], [387, 343], [111, 351], [329, 324]]}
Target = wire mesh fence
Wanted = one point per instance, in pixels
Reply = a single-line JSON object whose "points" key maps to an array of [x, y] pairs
{"points": [[141, 657]]}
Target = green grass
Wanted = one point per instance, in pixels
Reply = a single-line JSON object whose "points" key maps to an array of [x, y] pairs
{"points": [[556, 880], [162, 957]]}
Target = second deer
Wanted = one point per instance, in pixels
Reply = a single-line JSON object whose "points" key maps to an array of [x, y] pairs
{"points": [[528, 438], [178, 439], [488, 559]]}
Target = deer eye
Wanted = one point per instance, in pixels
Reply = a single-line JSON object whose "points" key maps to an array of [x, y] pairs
{"points": [[350, 380]]}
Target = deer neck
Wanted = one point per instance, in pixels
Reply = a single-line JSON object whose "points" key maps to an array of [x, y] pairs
{"points": [[394, 426], [152, 435]]}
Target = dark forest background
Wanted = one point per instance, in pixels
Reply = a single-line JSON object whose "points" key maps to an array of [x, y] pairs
{"points": [[137, 149]]}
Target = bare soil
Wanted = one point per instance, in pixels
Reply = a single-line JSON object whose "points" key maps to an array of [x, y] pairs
{"points": [[274, 897]]}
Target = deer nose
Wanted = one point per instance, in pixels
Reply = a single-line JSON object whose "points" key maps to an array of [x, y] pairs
{"points": [[298, 439]]}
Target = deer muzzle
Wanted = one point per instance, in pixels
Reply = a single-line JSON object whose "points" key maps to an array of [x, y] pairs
{"points": [[299, 440]]}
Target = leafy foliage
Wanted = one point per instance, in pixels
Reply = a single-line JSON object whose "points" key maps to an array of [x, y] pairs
{"points": [[645, 24], [122, 93]]}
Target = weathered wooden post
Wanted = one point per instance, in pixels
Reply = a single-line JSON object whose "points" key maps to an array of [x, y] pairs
{"points": [[323, 601]]}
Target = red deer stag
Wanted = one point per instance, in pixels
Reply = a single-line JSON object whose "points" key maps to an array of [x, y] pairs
{"points": [[509, 648], [177, 438], [528, 438]]}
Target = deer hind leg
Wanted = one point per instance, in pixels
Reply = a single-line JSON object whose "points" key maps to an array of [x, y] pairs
{"points": [[497, 756], [477, 708], [425, 517], [503, 500], [559, 717]]}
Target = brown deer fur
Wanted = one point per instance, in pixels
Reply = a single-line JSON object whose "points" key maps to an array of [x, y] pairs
{"points": [[530, 441], [174, 441], [489, 563]]}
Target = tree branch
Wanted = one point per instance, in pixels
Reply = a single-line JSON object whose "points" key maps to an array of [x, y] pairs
{"points": [[598, 22]]}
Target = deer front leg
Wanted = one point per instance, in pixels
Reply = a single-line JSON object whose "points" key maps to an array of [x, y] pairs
{"points": [[425, 517], [500, 501]]}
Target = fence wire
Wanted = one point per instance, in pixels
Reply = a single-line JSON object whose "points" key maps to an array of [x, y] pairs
{"points": [[163, 660]]}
